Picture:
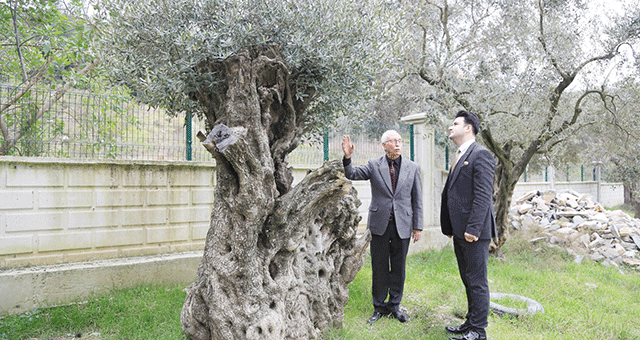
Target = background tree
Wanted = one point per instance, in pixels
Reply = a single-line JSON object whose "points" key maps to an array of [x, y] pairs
{"points": [[535, 71], [616, 144], [263, 73], [42, 41]]}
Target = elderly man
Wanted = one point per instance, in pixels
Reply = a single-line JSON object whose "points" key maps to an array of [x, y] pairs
{"points": [[395, 215]]}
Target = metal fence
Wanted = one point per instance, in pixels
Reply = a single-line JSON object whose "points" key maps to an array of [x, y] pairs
{"points": [[111, 125], [565, 173], [86, 124], [330, 148]]}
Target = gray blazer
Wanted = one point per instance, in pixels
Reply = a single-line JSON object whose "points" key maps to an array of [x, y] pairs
{"points": [[407, 201], [467, 197]]}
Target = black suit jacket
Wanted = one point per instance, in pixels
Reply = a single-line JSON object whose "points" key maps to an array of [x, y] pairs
{"points": [[467, 197]]}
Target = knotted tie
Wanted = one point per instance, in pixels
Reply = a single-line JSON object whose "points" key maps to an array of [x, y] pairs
{"points": [[455, 160]]}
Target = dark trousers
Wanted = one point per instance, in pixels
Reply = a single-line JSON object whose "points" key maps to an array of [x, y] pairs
{"points": [[472, 263], [388, 258]]}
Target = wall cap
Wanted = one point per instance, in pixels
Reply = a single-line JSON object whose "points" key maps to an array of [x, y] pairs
{"points": [[81, 161]]}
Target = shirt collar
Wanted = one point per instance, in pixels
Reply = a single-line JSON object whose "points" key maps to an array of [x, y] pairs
{"points": [[463, 148], [396, 161]]}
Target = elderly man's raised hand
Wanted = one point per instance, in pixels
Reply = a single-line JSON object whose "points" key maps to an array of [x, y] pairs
{"points": [[347, 146]]}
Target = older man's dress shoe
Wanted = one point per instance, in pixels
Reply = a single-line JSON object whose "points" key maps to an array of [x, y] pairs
{"points": [[376, 316], [401, 316], [457, 329], [469, 335]]}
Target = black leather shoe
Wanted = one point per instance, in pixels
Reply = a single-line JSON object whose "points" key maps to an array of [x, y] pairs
{"points": [[470, 335], [457, 329], [401, 316], [375, 317]]}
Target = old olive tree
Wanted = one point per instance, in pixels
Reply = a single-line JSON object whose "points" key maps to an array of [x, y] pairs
{"points": [[264, 74]]}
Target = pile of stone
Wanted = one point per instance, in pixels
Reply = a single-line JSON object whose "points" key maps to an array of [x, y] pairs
{"points": [[582, 226]]}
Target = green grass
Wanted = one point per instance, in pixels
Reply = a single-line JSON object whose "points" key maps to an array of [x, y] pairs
{"points": [[148, 312], [581, 301]]}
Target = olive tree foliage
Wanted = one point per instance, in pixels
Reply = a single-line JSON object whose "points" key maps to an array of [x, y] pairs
{"points": [[264, 74], [46, 42], [534, 71], [615, 145], [332, 49]]}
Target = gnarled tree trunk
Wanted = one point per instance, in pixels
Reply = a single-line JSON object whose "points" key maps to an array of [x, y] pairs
{"points": [[277, 259]]}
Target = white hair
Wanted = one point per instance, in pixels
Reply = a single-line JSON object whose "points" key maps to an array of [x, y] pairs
{"points": [[385, 135]]}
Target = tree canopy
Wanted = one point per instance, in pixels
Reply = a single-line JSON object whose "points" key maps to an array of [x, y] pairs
{"points": [[333, 48]]}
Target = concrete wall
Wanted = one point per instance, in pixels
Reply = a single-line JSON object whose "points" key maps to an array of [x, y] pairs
{"points": [[59, 211]]}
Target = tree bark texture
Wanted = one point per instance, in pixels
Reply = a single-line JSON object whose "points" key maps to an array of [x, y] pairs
{"points": [[277, 258], [502, 193], [631, 198]]}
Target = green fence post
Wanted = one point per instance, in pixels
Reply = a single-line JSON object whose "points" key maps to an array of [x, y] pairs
{"points": [[567, 173], [446, 157], [189, 137], [411, 144], [325, 144], [582, 173]]}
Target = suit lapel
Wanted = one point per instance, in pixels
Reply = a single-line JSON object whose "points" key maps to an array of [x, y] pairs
{"points": [[383, 167], [460, 163], [404, 173]]}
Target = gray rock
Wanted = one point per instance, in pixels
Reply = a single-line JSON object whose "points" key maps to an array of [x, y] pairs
{"points": [[586, 240], [528, 196], [524, 208], [515, 225], [554, 226], [628, 246], [617, 260], [574, 221], [614, 230], [596, 243], [636, 239], [548, 196], [537, 239], [528, 222], [625, 231], [578, 219]]}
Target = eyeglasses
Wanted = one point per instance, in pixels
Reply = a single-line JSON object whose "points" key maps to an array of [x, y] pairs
{"points": [[394, 141]]}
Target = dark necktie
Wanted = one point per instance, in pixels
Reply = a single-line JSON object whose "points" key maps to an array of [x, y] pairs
{"points": [[392, 172]]}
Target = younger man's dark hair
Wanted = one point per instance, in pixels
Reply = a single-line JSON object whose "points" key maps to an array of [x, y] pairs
{"points": [[470, 118]]}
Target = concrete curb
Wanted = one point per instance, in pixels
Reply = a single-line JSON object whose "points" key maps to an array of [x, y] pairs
{"points": [[24, 289]]}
